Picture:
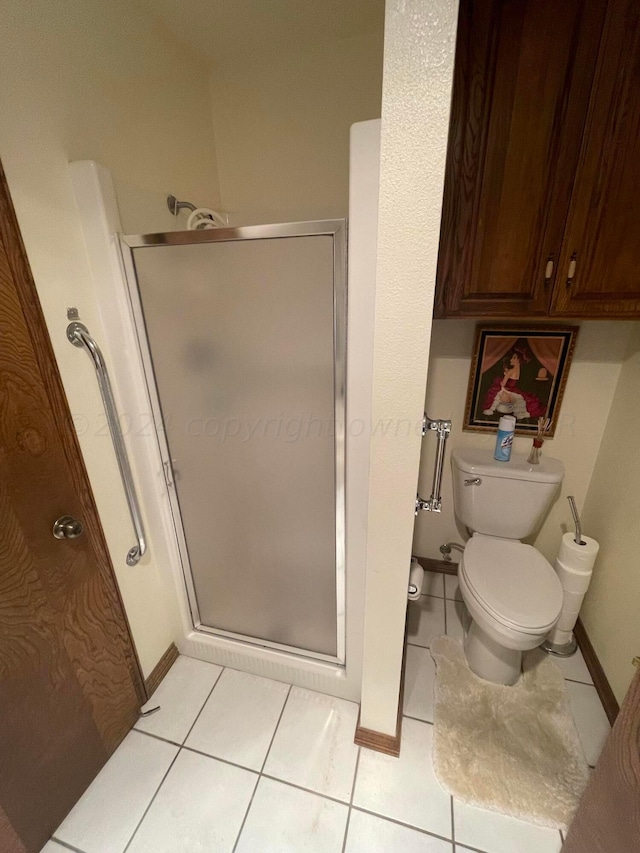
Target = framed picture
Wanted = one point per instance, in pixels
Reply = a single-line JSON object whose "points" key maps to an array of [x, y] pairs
{"points": [[521, 372]]}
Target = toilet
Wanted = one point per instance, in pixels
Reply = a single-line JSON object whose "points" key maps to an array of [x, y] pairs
{"points": [[512, 593]]}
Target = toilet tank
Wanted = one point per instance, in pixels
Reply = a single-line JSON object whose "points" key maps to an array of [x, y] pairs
{"points": [[510, 499]]}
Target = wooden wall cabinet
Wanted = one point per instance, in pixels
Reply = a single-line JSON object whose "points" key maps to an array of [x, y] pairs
{"points": [[541, 209]]}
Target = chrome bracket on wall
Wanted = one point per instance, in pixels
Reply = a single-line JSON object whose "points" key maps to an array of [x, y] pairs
{"points": [[79, 336], [442, 429]]}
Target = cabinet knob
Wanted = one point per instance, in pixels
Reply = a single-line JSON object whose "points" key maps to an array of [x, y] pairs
{"points": [[548, 271]]}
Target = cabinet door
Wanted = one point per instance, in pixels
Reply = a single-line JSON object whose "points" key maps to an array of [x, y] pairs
{"points": [[603, 227], [522, 79]]}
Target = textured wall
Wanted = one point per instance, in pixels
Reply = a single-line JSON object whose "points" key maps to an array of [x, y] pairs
{"points": [[418, 65], [611, 611]]}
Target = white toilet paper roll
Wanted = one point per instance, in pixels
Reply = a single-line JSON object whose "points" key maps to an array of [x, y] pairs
{"points": [[560, 638], [578, 557], [416, 579], [572, 580], [567, 620], [572, 601], [574, 567]]}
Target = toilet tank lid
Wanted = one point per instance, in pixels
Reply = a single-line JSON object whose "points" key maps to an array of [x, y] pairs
{"points": [[480, 463]]}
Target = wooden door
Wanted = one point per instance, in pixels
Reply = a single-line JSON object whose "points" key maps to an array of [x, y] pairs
{"points": [[603, 227], [70, 684], [608, 817], [522, 77]]}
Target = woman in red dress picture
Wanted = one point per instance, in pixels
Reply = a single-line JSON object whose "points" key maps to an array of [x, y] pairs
{"points": [[505, 397]]}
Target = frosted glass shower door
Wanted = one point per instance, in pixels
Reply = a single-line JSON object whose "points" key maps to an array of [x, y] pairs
{"points": [[246, 342]]}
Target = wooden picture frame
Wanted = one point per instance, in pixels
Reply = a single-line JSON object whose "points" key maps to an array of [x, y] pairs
{"points": [[521, 371]]}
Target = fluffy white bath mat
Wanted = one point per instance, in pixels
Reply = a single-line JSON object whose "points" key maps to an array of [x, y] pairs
{"points": [[513, 750]]}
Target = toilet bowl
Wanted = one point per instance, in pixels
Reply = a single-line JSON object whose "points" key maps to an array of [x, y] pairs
{"points": [[512, 593], [514, 598]]}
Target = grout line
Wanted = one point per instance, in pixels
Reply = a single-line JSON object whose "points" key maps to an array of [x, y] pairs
{"points": [[418, 720], [174, 760], [575, 681], [273, 736], [405, 825], [353, 788], [453, 827], [445, 616], [346, 831], [307, 790], [246, 815], [157, 737], [428, 595], [152, 800], [222, 760], [164, 740], [203, 705], [355, 776], [66, 845]]}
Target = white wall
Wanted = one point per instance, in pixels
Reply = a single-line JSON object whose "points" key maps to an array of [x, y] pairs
{"points": [[418, 66], [611, 514], [599, 353], [88, 79], [282, 129]]}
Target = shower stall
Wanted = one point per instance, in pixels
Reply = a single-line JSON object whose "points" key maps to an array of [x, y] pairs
{"points": [[242, 335]]}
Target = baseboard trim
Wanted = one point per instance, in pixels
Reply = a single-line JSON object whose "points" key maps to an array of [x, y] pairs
{"points": [[600, 680], [443, 566], [389, 744], [161, 669]]}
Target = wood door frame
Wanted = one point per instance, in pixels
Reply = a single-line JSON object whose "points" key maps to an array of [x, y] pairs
{"points": [[11, 238]]}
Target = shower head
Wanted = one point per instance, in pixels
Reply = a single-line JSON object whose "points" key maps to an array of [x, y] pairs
{"points": [[200, 217], [176, 206]]}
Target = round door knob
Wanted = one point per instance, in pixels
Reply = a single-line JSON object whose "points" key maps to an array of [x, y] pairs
{"points": [[67, 527]]}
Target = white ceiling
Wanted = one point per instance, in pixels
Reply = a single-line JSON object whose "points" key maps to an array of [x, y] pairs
{"points": [[228, 32]]}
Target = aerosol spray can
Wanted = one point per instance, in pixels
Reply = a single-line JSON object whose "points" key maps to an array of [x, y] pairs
{"points": [[504, 441]]}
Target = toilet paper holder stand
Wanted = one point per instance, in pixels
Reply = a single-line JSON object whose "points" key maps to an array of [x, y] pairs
{"points": [[565, 650], [576, 520]]}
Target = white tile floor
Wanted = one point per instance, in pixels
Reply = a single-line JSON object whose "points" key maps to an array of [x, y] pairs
{"points": [[234, 763]]}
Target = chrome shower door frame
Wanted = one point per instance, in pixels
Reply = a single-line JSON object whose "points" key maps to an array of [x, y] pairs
{"points": [[336, 229]]}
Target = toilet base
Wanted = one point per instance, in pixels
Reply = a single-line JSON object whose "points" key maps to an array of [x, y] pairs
{"points": [[490, 660]]}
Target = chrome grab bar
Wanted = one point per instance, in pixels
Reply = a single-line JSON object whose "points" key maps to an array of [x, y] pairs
{"points": [[79, 336], [443, 430]]}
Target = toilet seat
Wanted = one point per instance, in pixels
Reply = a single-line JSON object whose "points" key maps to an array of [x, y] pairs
{"points": [[512, 583]]}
